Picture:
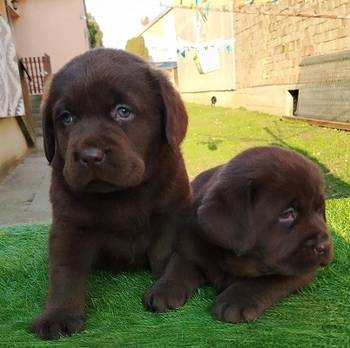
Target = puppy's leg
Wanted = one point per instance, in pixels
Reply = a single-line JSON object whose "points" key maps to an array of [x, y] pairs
{"points": [[246, 299], [162, 243], [180, 279], [70, 260]]}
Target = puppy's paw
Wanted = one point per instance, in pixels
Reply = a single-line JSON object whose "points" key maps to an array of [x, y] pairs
{"points": [[162, 297], [238, 304], [55, 325], [233, 312]]}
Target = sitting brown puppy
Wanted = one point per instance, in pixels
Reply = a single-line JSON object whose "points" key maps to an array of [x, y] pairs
{"points": [[259, 235], [112, 129]]}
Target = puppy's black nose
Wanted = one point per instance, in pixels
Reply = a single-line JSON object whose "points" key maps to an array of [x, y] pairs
{"points": [[92, 156], [318, 247]]}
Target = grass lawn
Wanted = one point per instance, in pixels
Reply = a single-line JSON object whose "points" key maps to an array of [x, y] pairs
{"points": [[319, 316]]}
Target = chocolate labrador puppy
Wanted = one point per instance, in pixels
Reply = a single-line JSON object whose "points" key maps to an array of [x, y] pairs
{"points": [[112, 130], [259, 234]]}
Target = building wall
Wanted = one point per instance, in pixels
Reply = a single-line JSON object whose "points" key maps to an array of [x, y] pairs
{"points": [[55, 27], [270, 51], [218, 26], [179, 34], [160, 39]]}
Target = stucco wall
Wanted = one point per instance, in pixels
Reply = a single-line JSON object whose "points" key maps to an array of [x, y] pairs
{"points": [[55, 27], [12, 143], [3, 9]]}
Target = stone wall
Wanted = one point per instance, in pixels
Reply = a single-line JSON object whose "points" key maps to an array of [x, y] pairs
{"points": [[269, 49]]}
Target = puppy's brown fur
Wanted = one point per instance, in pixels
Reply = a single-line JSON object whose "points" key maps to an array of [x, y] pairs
{"points": [[112, 130], [259, 234]]}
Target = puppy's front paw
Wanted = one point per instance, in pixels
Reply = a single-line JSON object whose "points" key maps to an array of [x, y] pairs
{"points": [[55, 325], [233, 312], [237, 304], [164, 296]]}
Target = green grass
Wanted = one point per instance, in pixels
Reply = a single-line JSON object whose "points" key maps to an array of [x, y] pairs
{"points": [[319, 316]]}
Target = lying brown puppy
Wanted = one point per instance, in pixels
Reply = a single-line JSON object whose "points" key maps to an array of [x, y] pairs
{"points": [[112, 129], [259, 235]]}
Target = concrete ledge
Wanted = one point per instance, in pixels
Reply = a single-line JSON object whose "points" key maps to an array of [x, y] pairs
{"points": [[274, 100], [224, 98], [321, 123], [326, 58]]}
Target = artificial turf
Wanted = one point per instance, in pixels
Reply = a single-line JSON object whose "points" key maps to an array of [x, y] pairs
{"points": [[318, 316]]}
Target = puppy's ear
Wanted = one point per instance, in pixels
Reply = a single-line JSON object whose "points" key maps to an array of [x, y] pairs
{"points": [[225, 216], [174, 111], [47, 123]]}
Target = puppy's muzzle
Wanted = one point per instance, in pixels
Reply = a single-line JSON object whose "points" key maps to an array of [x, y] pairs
{"points": [[320, 247], [91, 157]]}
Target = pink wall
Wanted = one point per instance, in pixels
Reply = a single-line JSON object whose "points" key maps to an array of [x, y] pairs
{"points": [[55, 27]]}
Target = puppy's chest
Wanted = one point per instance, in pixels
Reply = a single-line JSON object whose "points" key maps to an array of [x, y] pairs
{"points": [[121, 232], [124, 249], [129, 215]]}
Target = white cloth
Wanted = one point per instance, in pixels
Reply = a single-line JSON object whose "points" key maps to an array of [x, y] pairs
{"points": [[11, 98]]}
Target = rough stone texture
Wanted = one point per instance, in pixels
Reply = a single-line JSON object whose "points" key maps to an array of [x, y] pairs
{"points": [[270, 49]]}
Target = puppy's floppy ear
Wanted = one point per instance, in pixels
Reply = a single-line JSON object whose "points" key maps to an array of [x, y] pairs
{"points": [[47, 123], [225, 216], [174, 111]]}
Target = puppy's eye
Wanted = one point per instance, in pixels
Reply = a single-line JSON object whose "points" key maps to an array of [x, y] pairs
{"points": [[288, 216], [66, 118], [123, 112]]}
